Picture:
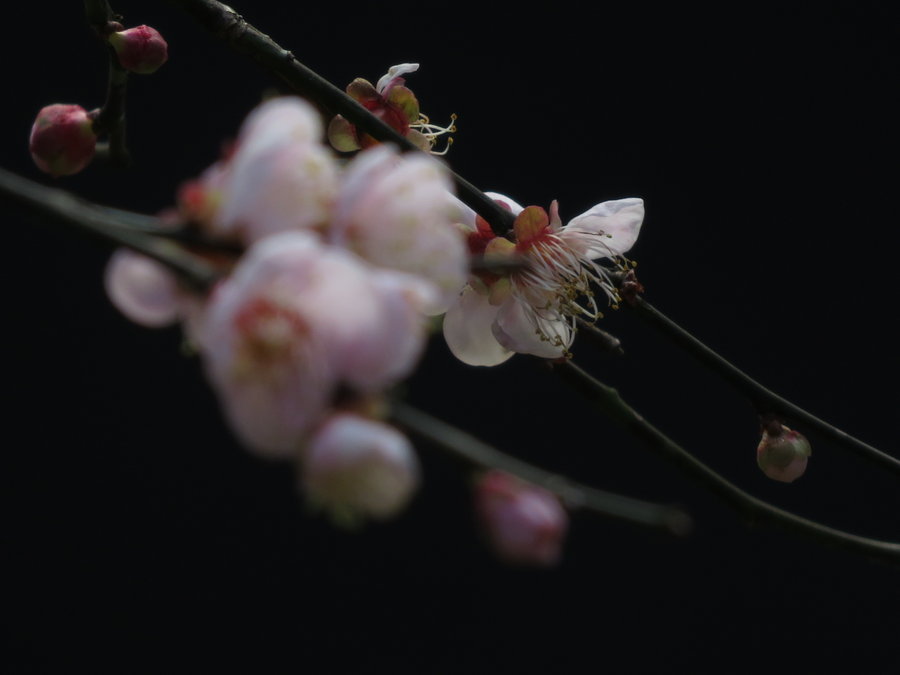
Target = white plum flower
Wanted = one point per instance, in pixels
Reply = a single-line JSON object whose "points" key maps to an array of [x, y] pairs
{"points": [[278, 177], [399, 213], [357, 468], [533, 309], [296, 321]]}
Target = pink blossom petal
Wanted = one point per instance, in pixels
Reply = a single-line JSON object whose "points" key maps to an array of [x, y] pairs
{"points": [[398, 213], [390, 347], [620, 220], [142, 289], [279, 121], [467, 330]]}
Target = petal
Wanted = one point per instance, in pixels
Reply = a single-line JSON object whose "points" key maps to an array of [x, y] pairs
{"points": [[620, 220], [393, 73], [506, 202], [467, 330], [142, 289], [515, 330]]}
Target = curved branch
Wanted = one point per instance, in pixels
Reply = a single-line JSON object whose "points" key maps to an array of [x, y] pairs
{"points": [[106, 225], [572, 494], [752, 509], [763, 399]]}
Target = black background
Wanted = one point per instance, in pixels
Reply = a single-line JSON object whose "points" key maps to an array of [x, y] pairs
{"points": [[137, 535]]}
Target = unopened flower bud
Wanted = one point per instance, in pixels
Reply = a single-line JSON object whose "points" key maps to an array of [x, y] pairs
{"points": [[525, 524], [141, 49], [356, 468], [782, 453], [62, 140]]}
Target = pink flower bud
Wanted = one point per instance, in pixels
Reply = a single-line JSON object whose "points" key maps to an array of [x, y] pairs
{"points": [[141, 50], [356, 468], [525, 524], [782, 454], [142, 289], [62, 139]]}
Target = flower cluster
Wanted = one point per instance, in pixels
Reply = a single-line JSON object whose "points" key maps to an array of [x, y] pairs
{"points": [[326, 308], [395, 105], [533, 308]]}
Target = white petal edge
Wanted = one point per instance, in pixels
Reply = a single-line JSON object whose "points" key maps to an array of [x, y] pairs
{"points": [[393, 73], [621, 219], [514, 330], [467, 330]]}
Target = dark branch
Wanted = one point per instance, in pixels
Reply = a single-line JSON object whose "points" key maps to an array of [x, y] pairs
{"points": [[107, 225], [230, 27], [764, 400], [752, 509], [572, 494], [110, 120]]}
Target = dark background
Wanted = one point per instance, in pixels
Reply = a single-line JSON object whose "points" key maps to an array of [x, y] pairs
{"points": [[137, 535]]}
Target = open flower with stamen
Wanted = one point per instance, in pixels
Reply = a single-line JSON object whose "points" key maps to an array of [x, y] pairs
{"points": [[533, 308], [395, 105]]}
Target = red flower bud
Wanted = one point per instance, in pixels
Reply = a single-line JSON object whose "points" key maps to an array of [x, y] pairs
{"points": [[140, 50], [782, 454], [62, 140]]}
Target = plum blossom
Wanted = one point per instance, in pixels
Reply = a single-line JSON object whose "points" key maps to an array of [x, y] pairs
{"points": [[395, 105], [355, 468], [296, 322], [533, 310], [279, 176], [524, 523], [398, 212]]}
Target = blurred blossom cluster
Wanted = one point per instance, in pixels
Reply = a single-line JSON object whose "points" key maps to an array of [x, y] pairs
{"points": [[330, 271], [326, 308]]}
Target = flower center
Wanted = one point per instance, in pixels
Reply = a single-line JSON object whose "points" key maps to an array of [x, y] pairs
{"points": [[270, 335]]}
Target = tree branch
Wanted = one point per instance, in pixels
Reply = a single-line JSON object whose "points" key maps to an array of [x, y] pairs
{"points": [[764, 400], [227, 25], [111, 118], [574, 495], [752, 509], [106, 225]]}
